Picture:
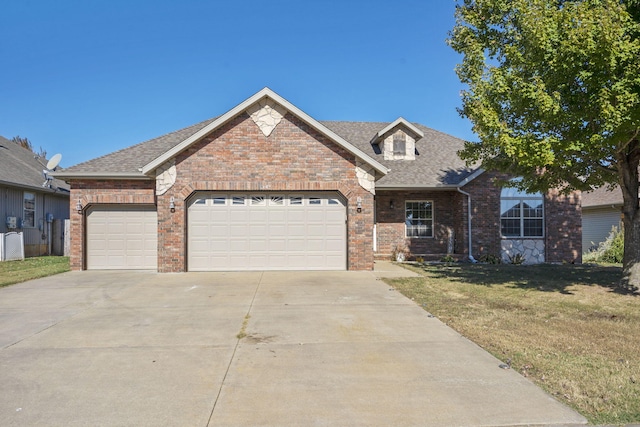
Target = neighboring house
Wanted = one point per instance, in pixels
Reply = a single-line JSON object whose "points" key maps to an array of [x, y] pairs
{"points": [[26, 204], [266, 186], [601, 212]]}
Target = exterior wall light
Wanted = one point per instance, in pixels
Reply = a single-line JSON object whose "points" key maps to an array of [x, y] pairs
{"points": [[359, 204], [391, 206], [172, 204], [79, 206]]}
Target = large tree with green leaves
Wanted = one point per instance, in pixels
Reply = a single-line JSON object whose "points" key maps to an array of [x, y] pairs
{"points": [[553, 92]]}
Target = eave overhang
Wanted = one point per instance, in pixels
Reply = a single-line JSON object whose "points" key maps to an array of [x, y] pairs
{"points": [[34, 187], [101, 175], [437, 187]]}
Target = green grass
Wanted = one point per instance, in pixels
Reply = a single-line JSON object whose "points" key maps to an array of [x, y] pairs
{"points": [[565, 327], [12, 272]]}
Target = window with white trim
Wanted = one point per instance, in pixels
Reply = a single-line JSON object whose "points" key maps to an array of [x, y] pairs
{"points": [[29, 210], [521, 213], [419, 218]]}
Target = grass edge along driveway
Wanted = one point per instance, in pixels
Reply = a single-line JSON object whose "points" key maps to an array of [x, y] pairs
{"points": [[565, 327], [12, 272]]}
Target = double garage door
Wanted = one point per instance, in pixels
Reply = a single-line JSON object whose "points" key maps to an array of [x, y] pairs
{"points": [[266, 232], [227, 231]]}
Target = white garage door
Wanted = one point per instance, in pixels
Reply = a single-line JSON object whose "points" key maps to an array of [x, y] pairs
{"points": [[122, 237], [267, 232]]}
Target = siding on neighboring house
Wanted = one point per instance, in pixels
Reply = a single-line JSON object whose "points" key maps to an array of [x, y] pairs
{"points": [[36, 238], [597, 224]]}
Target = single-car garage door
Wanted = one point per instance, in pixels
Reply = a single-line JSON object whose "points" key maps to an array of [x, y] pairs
{"points": [[266, 232], [122, 237]]}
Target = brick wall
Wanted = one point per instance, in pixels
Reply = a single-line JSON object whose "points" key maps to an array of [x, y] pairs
{"points": [[238, 157], [391, 222], [485, 216], [101, 192], [563, 227], [563, 221]]}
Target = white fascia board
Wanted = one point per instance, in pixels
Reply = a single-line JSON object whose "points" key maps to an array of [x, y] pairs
{"points": [[405, 123], [266, 92], [99, 175], [471, 177]]}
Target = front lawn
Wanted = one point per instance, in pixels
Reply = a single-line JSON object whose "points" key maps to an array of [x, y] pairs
{"points": [[565, 327], [31, 268]]}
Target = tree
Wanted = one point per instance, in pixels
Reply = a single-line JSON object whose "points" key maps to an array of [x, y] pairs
{"points": [[25, 143], [553, 92]]}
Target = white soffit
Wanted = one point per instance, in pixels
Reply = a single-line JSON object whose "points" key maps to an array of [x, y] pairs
{"points": [[268, 93]]}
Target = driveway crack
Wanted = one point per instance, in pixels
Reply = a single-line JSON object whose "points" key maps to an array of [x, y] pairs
{"points": [[239, 337]]}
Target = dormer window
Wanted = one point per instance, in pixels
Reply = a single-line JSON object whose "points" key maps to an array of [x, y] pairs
{"points": [[399, 143]]}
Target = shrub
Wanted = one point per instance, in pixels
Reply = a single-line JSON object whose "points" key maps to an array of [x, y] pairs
{"points": [[516, 259], [448, 259], [611, 250], [490, 259]]}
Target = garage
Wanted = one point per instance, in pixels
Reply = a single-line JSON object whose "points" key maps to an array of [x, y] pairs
{"points": [[263, 231], [122, 237]]}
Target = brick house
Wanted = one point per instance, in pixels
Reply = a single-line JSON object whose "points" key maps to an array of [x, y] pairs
{"points": [[265, 186]]}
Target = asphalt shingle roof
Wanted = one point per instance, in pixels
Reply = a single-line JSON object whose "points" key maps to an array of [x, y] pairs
{"points": [[602, 196], [21, 167], [131, 159], [436, 164]]}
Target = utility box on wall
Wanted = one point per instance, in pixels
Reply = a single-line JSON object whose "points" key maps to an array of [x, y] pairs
{"points": [[12, 222]]}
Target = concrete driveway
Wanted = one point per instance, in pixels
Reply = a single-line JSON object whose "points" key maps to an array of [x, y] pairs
{"points": [[316, 349]]}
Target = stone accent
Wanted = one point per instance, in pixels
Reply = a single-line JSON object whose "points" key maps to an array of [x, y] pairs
{"points": [[366, 176], [532, 250], [410, 147], [165, 177], [266, 114]]}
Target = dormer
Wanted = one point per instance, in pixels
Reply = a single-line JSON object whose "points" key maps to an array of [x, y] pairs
{"points": [[397, 141]]}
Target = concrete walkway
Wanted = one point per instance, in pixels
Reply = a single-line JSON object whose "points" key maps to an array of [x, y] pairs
{"points": [[315, 349]]}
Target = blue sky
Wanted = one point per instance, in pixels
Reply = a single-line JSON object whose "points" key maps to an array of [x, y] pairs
{"points": [[88, 77]]}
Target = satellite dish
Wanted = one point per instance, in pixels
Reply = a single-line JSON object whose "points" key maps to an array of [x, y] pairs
{"points": [[54, 161]]}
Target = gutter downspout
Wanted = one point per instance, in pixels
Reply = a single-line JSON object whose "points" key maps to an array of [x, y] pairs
{"points": [[471, 258]]}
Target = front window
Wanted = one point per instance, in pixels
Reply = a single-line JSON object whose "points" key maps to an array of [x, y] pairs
{"points": [[419, 219], [521, 213], [29, 215]]}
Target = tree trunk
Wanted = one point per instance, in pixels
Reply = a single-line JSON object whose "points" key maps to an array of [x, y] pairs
{"points": [[628, 161]]}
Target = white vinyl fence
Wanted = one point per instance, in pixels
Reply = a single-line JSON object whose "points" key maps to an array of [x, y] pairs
{"points": [[11, 246]]}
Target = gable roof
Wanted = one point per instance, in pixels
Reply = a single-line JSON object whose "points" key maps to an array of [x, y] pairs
{"points": [[20, 167], [139, 161], [437, 164], [399, 121]]}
